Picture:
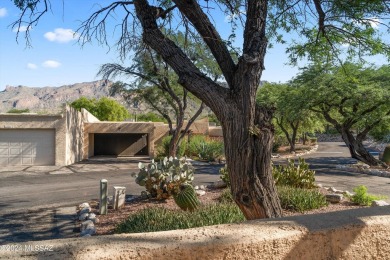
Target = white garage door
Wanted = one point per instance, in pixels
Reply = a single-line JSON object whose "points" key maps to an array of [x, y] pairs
{"points": [[27, 147]]}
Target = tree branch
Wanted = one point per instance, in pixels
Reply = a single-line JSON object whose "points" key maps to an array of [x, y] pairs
{"points": [[194, 13], [189, 75]]}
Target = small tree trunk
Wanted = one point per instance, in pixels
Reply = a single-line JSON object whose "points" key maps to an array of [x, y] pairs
{"points": [[357, 149]]}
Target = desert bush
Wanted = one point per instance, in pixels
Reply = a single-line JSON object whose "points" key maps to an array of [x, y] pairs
{"points": [[363, 198], [224, 175], [386, 155], [204, 148], [151, 117], [226, 196], [300, 200], [163, 148], [160, 219], [298, 176]]}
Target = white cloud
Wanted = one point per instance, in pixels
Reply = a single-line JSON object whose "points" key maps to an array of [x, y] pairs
{"points": [[233, 16], [3, 12], [22, 28], [32, 66], [61, 35], [51, 64], [374, 22]]}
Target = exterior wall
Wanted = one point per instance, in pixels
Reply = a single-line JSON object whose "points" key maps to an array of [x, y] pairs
{"points": [[116, 127], [33, 121], [215, 131], [200, 126], [350, 234], [74, 135]]}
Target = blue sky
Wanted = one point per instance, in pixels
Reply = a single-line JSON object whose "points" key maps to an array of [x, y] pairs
{"points": [[57, 59]]}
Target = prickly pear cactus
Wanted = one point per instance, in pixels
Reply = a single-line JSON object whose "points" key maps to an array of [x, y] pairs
{"points": [[162, 179], [186, 198]]}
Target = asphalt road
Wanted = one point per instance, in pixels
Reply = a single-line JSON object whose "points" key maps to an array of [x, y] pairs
{"points": [[19, 191], [40, 188], [325, 160], [38, 203]]}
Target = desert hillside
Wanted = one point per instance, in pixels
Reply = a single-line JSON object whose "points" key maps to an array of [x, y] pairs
{"points": [[51, 99]]}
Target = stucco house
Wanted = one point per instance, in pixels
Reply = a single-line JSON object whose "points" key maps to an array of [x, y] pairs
{"points": [[33, 139]]}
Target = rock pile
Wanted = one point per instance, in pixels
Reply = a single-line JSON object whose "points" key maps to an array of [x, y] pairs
{"points": [[89, 219], [337, 196]]}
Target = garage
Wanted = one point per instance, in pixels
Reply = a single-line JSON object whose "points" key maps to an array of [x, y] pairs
{"points": [[120, 144], [27, 147]]}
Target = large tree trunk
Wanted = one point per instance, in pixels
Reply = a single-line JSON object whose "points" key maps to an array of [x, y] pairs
{"points": [[248, 151], [357, 149], [248, 134]]}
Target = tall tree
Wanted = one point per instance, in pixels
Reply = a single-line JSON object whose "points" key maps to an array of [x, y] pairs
{"points": [[291, 114], [322, 26], [353, 99], [156, 84]]}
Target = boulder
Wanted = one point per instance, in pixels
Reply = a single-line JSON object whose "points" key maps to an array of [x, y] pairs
{"points": [[85, 210], [83, 216], [86, 224], [334, 198], [84, 205], [379, 203], [200, 192], [89, 231]]}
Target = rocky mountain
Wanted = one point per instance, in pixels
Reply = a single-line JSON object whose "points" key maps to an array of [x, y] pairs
{"points": [[51, 99]]}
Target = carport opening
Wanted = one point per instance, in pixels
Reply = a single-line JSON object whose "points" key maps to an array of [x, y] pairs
{"points": [[120, 144]]}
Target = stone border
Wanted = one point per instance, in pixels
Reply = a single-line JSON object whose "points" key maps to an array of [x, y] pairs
{"points": [[312, 150], [365, 169], [351, 234]]}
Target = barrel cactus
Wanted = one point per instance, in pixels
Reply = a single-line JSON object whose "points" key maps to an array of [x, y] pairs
{"points": [[386, 155], [185, 197]]}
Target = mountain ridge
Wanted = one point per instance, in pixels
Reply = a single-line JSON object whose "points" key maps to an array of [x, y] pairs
{"points": [[51, 99]]}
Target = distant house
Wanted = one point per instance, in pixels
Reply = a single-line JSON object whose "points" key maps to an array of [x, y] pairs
{"points": [[32, 139]]}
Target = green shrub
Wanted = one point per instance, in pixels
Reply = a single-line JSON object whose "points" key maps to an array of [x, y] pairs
{"points": [[204, 148], [164, 179], [18, 111], [160, 219], [226, 196], [299, 176], [386, 155], [163, 148], [192, 149], [300, 200], [361, 196], [276, 146], [151, 117], [224, 175]]}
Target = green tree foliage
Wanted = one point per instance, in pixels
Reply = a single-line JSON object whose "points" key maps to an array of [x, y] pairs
{"points": [[354, 99], [155, 85], [105, 109], [150, 116], [291, 117]]}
